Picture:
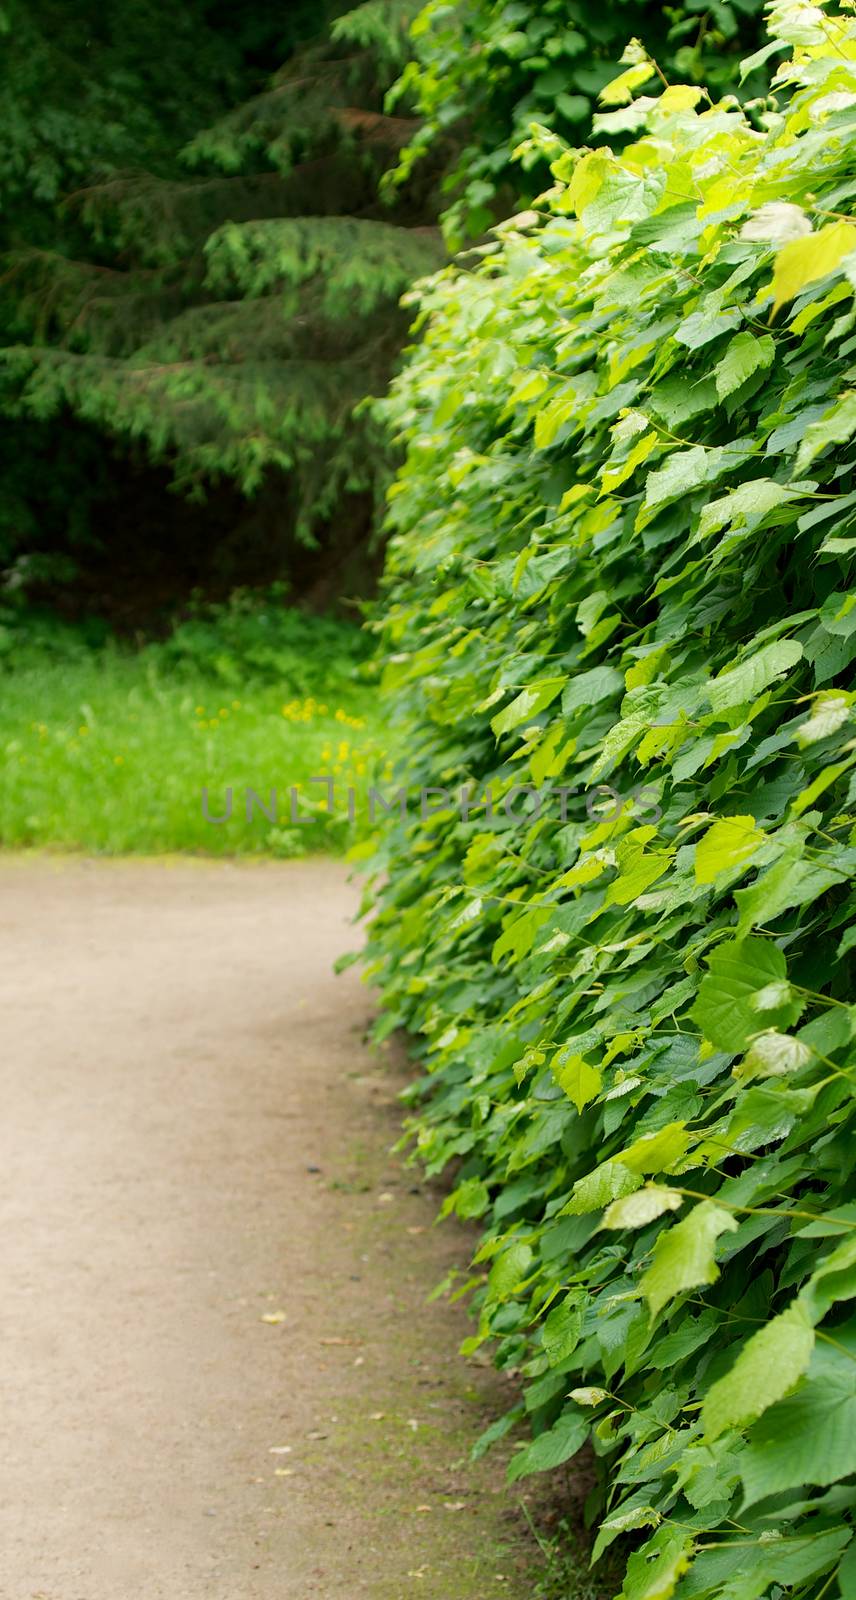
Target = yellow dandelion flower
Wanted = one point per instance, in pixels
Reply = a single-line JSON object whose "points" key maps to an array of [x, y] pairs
{"points": [[361, 769], [200, 711], [223, 712], [119, 760], [83, 729]]}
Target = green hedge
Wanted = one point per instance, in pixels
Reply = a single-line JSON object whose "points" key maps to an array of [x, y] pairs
{"points": [[623, 539], [484, 71]]}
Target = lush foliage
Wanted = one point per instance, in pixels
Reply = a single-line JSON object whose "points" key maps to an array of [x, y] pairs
{"points": [[485, 71], [108, 750], [214, 295], [86, 90], [622, 554]]}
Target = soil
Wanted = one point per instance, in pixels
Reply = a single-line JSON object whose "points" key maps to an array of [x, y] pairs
{"points": [[222, 1374]]}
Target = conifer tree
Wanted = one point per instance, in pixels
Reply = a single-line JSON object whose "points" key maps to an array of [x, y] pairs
{"points": [[226, 304]]}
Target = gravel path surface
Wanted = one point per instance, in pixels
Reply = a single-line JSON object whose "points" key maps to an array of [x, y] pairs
{"points": [[220, 1374]]}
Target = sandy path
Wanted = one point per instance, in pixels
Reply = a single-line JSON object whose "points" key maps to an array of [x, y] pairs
{"points": [[177, 1059]]}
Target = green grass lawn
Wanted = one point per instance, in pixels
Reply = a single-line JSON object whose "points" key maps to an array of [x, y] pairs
{"points": [[109, 751]]}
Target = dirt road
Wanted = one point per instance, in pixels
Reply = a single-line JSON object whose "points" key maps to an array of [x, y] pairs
{"points": [[220, 1377]]}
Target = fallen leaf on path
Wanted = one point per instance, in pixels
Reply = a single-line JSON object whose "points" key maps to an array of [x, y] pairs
{"points": [[316, 1435], [340, 1341], [273, 1316], [280, 1450], [425, 1508], [283, 1472], [377, 1416], [454, 1505]]}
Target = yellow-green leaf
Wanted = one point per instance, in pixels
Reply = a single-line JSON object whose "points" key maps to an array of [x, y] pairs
{"points": [[803, 261], [685, 1256], [730, 842], [637, 1210], [768, 1365], [580, 1081], [620, 91]]}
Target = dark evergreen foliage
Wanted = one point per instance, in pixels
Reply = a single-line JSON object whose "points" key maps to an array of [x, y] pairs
{"points": [[202, 276]]}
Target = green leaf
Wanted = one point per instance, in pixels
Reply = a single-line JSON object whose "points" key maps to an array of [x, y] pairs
{"points": [[526, 705], [590, 688], [638, 868], [656, 1152], [833, 1281], [830, 711], [788, 883], [730, 842], [581, 1083], [654, 1571], [561, 1332], [745, 682], [620, 91], [745, 356], [747, 506], [550, 1449], [553, 418], [847, 1573], [685, 1255], [777, 1559], [805, 260], [509, 1270], [607, 1182], [518, 934], [836, 426], [470, 1199], [588, 1397], [636, 1210], [767, 1366], [808, 1437], [774, 1055], [740, 970], [838, 615], [701, 327], [683, 472]]}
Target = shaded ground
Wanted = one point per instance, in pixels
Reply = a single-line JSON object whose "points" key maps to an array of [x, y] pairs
{"points": [[221, 1376]]}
